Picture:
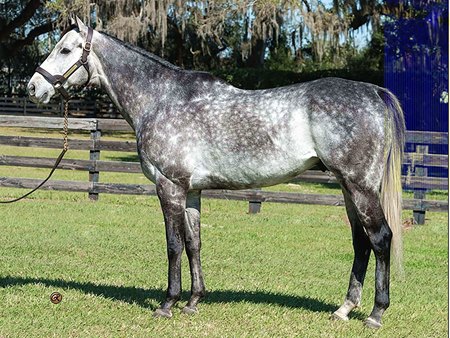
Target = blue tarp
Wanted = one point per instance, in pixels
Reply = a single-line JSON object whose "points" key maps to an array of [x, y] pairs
{"points": [[416, 62]]}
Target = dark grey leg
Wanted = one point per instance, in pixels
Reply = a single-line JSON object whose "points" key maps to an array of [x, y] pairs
{"points": [[173, 200], [371, 216], [361, 247], [193, 246], [381, 243]]}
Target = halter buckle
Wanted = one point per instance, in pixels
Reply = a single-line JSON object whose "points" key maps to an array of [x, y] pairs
{"points": [[87, 46], [57, 85]]}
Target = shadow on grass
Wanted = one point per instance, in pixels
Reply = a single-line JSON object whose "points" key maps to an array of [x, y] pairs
{"points": [[141, 296], [318, 184]]}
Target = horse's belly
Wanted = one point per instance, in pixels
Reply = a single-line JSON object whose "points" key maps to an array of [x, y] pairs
{"points": [[248, 173], [280, 156]]}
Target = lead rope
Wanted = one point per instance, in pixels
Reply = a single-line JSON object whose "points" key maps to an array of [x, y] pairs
{"points": [[58, 160], [66, 125]]}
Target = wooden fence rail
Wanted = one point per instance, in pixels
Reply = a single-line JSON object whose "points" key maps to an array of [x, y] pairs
{"points": [[22, 106], [239, 195], [417, 179], [313, 176]]}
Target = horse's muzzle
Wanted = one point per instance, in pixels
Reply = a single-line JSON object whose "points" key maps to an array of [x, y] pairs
{"points": [[31, 89], [38, 96]]}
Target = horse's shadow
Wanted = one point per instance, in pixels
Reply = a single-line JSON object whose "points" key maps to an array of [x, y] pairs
{"points": [[141, 296]]}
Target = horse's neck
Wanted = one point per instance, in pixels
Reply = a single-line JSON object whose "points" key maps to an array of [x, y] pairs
{"points": [[131, 80]]}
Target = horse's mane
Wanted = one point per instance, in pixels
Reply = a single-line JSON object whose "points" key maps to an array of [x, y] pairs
{"points": [[143, 52]]}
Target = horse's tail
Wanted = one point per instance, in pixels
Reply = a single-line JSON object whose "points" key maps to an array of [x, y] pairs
{"points": [[391, 186]]}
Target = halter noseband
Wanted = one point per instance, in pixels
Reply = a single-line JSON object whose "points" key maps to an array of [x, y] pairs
{"points": [[57, 81]]}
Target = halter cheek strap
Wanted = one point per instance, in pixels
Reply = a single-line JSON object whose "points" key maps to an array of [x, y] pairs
{"points": [[58, 81]]}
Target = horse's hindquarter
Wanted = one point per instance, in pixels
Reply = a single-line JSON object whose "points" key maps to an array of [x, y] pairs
{"points": [[348, 121]]}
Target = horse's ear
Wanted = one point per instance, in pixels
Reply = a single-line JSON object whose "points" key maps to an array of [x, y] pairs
{"points": [[81, 26], [72, 20]]}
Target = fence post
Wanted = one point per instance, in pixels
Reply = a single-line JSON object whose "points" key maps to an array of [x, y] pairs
{"points": [[24, 106], [94, 155], [419, 215], [254, 205]]}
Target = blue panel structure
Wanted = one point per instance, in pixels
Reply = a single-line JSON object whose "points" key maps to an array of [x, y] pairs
{"points": [[416, 62], [416, 66]]}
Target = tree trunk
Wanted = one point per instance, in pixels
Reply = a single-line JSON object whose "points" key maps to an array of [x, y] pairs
{"points": [[256, 57]]}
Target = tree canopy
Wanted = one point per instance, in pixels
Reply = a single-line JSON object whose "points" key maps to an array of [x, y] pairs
{"points": [[252, 43], [243, 29], [203, 32]]}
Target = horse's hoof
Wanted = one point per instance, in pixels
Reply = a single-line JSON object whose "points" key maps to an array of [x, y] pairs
{"points": [[162, 313], [188, 310], [338, 316], [372, 323]]}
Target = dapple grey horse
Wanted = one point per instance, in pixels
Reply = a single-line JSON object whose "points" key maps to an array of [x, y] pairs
{"points": [[195, 131]]}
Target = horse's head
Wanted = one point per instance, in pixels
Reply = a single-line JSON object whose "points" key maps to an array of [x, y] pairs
{"points": [[67, 65]]}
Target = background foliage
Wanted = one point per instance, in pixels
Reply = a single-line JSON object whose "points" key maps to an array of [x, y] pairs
{"points": [[253, 44]]}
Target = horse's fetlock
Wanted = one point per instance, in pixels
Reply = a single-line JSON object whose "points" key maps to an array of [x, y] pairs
{"points": [[174, 297], [382, 301], [199, 293]]}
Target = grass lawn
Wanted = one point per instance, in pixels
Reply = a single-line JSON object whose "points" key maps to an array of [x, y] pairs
{"points": [[280, 273]]}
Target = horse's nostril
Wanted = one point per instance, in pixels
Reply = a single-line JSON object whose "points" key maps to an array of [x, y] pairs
{"points": [[31, 89]]}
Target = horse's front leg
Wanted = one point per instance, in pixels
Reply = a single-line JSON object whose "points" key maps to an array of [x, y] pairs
{"points": [[193, 246], [173, 203]]}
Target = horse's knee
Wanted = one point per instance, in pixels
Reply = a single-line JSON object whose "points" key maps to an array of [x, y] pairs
{"points": [[192, 230], [192, 219], [193, 245], [192, 242], [174, 248]]}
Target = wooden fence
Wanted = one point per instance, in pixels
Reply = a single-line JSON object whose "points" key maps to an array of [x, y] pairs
{"points": [[22, 106], [417, 162]]}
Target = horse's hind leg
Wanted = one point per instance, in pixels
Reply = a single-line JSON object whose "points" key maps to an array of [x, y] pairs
{"points": [[193, 246], [370, 213], [361, 247]]}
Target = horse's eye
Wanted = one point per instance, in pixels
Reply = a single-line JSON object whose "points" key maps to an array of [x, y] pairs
{"points": [[65, 51]]}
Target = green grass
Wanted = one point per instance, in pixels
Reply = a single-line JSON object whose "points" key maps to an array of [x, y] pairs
{"points": [[279, 273]]}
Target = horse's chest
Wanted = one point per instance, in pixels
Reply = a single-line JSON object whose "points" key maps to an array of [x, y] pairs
{"points": [[164, 150]]}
